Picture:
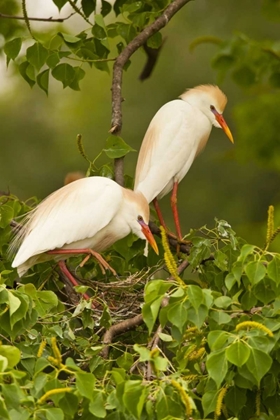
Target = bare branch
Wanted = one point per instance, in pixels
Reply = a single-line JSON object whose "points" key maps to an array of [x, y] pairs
{"points": [[50, 19], [123, 58]]}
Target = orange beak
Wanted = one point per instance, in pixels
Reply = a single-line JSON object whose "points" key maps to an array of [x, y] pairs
{"points": [[149, 236], [223, 124]]}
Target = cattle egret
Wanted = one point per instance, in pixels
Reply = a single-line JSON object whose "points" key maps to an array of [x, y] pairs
{"points": [[85, 216], [176, 135]]}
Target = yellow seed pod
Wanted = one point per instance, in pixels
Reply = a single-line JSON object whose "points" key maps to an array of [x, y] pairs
{"points": [[254, 324], [48, 394], [184, 397], [56, 350], [222, 393], [41, 348]]}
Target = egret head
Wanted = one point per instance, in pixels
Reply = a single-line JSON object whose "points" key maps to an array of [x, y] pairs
{"points": [[139, 213], [210, 100]]}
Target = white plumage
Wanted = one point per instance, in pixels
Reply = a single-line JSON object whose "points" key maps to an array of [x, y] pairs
{"points": [[176, 135], [91, 213]]}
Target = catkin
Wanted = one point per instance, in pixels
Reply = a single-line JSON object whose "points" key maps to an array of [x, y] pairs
{"points": [[41, 348], [222, 393], [48, 394], [254, 324], [184, 397]]}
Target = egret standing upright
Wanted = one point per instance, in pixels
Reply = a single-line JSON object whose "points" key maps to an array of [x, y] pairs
{"points": [[176, 135], [85, 216]]}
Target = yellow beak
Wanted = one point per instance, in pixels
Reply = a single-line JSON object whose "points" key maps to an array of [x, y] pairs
{"points": [[149, 236], [224, 125]]}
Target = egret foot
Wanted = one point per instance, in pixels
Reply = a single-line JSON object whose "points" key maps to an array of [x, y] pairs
{"points": [[102, 263]]}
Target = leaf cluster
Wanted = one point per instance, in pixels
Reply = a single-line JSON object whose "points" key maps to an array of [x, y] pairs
{"points": [[217, 334], [53, 54]]}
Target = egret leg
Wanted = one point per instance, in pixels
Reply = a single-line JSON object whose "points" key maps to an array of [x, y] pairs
{"points": [[175, 210], [103, 264], [71, 278], [159, 214], [161, 219]]}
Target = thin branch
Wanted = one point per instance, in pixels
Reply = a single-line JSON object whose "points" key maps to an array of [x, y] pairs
{"points": [[50, 19], [184, 247], [123, 58]]}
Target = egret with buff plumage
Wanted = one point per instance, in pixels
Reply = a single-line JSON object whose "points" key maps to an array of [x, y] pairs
{"points": [[85, 216], [176, 135]]}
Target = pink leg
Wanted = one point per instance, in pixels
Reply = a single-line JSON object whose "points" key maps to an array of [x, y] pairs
{"points": [[160, 218], [175, 210], [71, 278], [103, 264], [159, 213]]}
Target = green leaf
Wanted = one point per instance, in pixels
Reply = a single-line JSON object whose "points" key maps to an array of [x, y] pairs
{"points": [[258, 363], [14, 302], [54, 414], [116, 147], [155, 41], [246, 250], [177, 315], [88, 6], [96, 406], [23, 71], [221, 260], [3, 363], [52, 60], [85, 383], [99, 29], [264, 291], [273, 269], [235, 399], [150, 312], [145, 354], [43, 80], [223, 302], [12, 48], [248, 300], [238, 353], [217, 339], [209, 401], [134, 397], [11, 353], [3, 410], [64, 73], [196, 296], [197, 317], [217, 366], [220, 317], [255, 271], [60, 3], [71, 39], [37, 55], [105, 8], [79, 75], [166, 405], [69, 405]]}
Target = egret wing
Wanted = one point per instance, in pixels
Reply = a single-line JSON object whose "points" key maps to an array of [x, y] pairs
{"points": [[169, 148], [75, 212]]}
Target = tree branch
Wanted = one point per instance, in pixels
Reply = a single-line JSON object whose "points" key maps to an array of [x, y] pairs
{"points": [[123, 58], [50, 19]]}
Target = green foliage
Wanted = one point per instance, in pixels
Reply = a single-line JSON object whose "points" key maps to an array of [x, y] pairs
{"points": [[93, 46], [217, 346]]}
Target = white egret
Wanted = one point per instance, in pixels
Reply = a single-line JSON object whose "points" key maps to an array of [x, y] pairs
{"points": [[176, 135], [85, 216]]}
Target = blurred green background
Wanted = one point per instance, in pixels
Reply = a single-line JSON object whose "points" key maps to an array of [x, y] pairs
{"points": [[236, 183]]}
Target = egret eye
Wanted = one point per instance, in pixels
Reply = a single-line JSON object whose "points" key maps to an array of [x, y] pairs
{"points": [[212, 108], [140, 219]]}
